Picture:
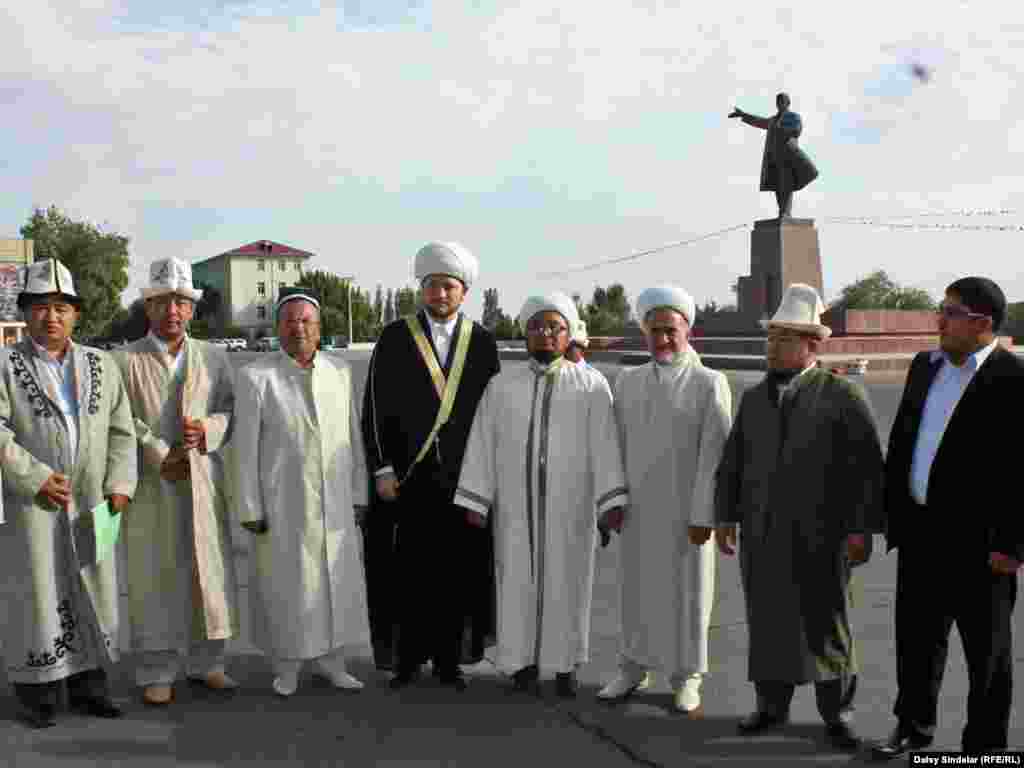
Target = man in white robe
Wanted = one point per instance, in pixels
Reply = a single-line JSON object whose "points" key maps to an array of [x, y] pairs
{"points": [[300, 473], [180, 570], [67, 446], [674, 416], [543, 457]]}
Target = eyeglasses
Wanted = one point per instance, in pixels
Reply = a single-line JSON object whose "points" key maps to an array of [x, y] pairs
{"points": [[551, 329], [952, 311]]}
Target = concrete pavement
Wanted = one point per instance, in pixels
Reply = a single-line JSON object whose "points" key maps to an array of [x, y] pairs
{"points": [[489, 724]]}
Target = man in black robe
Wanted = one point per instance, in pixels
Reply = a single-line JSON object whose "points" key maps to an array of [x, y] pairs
{"points": [[802, 475], [429, 572]]}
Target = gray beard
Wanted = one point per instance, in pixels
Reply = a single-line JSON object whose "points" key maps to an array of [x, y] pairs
{"points": [[545, 357]]}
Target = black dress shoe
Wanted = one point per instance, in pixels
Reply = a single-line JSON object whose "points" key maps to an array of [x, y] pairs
{"points": [[525, 679], [901, 741], [841, 736], [760, 721], [43, 716], [453, 680], [95, 706], [565, 685], [403, 679]]}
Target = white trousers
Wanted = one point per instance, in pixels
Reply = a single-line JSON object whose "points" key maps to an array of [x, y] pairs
{"points": [[288, 669]]}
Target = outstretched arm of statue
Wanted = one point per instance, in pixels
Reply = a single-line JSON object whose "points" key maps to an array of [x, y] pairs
{"points": [[749, 119]]}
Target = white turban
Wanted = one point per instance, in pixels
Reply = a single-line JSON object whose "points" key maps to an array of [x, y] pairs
{"points": [[446, 259], [550, 302], [666, 297]]}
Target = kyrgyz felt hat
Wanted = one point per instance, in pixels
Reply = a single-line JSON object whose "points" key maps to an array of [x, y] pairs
{"points": [[47, 278], [294, 293], [171, 276], [800, 311]]}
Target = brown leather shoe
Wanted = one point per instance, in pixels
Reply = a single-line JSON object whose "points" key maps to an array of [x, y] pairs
{"points": [[158, 695], [217, 680]]}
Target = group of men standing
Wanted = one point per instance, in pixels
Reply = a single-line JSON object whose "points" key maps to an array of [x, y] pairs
{"points": [[481, 493]]}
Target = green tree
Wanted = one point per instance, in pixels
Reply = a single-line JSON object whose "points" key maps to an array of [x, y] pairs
{"points": [[389, 307], [492, 311], [1014, 323], [506, 328], [208, 307], [406, 302], [879, 291], [334, 293], [98, 261]]}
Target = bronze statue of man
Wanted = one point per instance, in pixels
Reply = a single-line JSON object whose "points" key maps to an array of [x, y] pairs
{"points": [[785, 168]]}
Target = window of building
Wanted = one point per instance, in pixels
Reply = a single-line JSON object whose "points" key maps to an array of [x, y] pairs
{"points": [[283, 266], [298, 266], [261, 265], [261, 313], [261, 288]]}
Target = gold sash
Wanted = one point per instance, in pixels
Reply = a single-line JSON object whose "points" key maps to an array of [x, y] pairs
{"points": [[445, 389]]}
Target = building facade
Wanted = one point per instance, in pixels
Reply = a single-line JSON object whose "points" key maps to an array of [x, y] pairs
{"points": [[14, 254], [248, 279]]}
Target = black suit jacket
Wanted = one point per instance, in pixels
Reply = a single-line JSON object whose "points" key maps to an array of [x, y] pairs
{"points": [[400, 405], [972, 506]]}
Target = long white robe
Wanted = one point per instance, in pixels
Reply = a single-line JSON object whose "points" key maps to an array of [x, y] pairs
{"points": [[300, 466], [674, 422], [180, 571], [543, 456]]}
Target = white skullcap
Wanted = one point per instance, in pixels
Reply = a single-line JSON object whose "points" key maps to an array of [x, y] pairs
{"points": [[666, 297], [579, 334], [550, 302], [446, 259]]}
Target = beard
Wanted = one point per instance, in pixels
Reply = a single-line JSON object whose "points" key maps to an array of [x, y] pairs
{"points": [[545, 356]]}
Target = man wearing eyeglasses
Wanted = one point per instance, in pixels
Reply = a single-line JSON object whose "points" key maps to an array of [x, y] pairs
{"points": [[801, 474], [543, 457], [960, 543], [429, 572]]}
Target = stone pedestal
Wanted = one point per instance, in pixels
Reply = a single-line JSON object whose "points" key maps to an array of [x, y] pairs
{"points": [[782, 252]]}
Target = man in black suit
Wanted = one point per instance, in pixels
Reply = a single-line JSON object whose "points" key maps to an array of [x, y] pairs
{"points": [[960, 540], [429, 569]]}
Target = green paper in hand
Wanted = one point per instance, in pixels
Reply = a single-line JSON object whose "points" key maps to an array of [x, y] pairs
{"points": [[107, 526]]}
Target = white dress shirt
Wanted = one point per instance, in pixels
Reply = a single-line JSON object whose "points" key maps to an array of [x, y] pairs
{"points": [[179, 360], [442, 336], [58, 379], [945, 392]]}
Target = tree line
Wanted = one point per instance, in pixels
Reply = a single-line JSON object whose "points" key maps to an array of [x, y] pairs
{"points": [[99, 261]]}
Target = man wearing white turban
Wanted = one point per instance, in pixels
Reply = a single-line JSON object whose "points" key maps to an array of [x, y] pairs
{"points": [[543, 457], [674, 417], [429, 573]]}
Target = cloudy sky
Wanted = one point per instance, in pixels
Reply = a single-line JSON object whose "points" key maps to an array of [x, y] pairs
{"points": [[543, 136]]}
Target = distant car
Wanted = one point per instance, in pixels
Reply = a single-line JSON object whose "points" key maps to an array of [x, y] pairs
{"points": [[236, 345], [267, 344]]}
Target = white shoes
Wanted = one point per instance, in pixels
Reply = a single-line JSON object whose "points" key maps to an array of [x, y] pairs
{"points": [[286, 684], [687, 695], [341, 679], [623, 686]]}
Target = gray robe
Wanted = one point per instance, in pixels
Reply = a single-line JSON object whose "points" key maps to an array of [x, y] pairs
{"points": [[59, 606], [799, 476]]}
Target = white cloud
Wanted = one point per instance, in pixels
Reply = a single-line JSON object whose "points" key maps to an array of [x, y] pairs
{"points": [[615, 112]]}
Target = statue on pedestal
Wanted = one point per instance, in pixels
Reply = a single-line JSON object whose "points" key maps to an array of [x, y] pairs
{"points": [[785, 168]]}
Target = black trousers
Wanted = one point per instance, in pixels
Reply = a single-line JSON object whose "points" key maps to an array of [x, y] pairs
{"points": [[936, 587], [434, 556], [83, 685], [834, 698], [382, 584]]}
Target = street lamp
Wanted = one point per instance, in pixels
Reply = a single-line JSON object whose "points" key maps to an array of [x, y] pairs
{"points": [[348, 280]]}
